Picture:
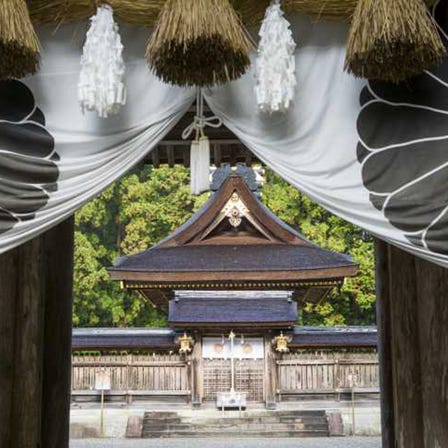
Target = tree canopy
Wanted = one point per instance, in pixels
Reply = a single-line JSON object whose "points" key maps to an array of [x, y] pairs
{"points": [[145, 206]]}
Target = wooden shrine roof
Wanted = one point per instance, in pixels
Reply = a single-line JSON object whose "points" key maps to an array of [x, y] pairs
{"points": [[165, 338], [232, 242], [123, 338], [337, 337], [232, 312]]}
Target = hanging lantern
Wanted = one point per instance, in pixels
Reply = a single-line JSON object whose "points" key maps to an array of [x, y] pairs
{"points": [[19, 46], [392, 40], [186, 344], [281, 343], [101, 87], [199, 42], [275, 66]]}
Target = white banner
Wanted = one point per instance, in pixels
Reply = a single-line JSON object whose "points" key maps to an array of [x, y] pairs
{"points": [[53, 158], [375, 154]]}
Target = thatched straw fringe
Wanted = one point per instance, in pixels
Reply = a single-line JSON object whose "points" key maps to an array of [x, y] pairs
{"points": [[19, 46], [392, 40], [199, 42], [135, 12]]}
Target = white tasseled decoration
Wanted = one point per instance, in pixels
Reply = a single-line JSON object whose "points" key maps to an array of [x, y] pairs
{"points": [[200, 165], [275, 65], [101, 85]]}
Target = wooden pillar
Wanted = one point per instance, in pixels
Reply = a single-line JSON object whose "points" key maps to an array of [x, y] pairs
{"points": [[270, 372], [26, 298], [197, 361], [8, 271], [405, 349], [383, 319], [58, 265], [433, 333], [413, 322], [21, 350]]}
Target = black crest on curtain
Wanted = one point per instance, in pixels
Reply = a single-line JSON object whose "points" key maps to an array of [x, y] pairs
{"points": [[403, 149], [28, 173]]}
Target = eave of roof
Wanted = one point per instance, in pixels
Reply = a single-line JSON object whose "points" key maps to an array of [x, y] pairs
{"points": [[165, 338], [276, 312], [334, 337], [182, 257], [126, 338]]}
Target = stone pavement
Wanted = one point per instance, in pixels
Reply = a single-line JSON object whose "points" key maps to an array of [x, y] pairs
{"points": [[343, 442]]}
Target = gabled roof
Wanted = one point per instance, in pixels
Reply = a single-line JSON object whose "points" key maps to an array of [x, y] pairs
{"points": [[234, 242]]}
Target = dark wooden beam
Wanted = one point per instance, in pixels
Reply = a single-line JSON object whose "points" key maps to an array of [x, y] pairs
{"points": [[432, 314], [383, 316], [35, 338], [177, 152], [170, 155], [155, 158], [58, 267], [412, 319], [405, 348], [25, 424], [158, 298], [8, 292]]}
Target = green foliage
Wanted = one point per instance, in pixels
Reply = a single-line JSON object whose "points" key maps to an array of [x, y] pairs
{"points": [[144, 207], [130, 216]]}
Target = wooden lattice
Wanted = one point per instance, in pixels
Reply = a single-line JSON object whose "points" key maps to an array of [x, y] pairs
{"points": [[249, 378]]}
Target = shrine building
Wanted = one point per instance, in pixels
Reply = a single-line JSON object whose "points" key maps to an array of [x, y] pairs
{"points": [[232, 281]]}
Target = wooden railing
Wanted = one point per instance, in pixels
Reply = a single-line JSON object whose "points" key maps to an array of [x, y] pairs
{"points": [[132, 375], [334, 372], [303, 372]]}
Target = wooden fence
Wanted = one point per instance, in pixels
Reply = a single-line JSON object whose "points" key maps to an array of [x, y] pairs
{"points": [[327, 372], [133, 375], [304, 372]]}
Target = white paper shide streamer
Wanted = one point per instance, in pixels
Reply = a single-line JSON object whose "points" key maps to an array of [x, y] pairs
{"points": [[200, 146], [101, 87], [275, 65]]}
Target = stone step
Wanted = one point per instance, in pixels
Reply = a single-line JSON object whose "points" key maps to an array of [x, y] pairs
{"points": [[241, 426], [162, 421], [249, 424], [213, 421], [238, 434]]}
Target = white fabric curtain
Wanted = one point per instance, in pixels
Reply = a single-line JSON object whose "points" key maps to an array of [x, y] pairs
{"points": [[354, 160], [42, 127], [373, 154]]}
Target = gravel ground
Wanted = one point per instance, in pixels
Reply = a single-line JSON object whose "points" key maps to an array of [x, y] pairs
{"points": [[348, 442]]}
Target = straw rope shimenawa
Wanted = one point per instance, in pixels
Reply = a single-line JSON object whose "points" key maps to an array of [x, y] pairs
{"points": [[145, 12], [19, 46], [135, 12], [392, 40], [203, 42], [199, 42]]}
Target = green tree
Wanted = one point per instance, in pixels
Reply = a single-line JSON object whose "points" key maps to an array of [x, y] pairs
{"points": [[130, 216]]}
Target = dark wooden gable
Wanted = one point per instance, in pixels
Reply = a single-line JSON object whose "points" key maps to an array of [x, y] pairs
{"points": [[212, 225]]}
